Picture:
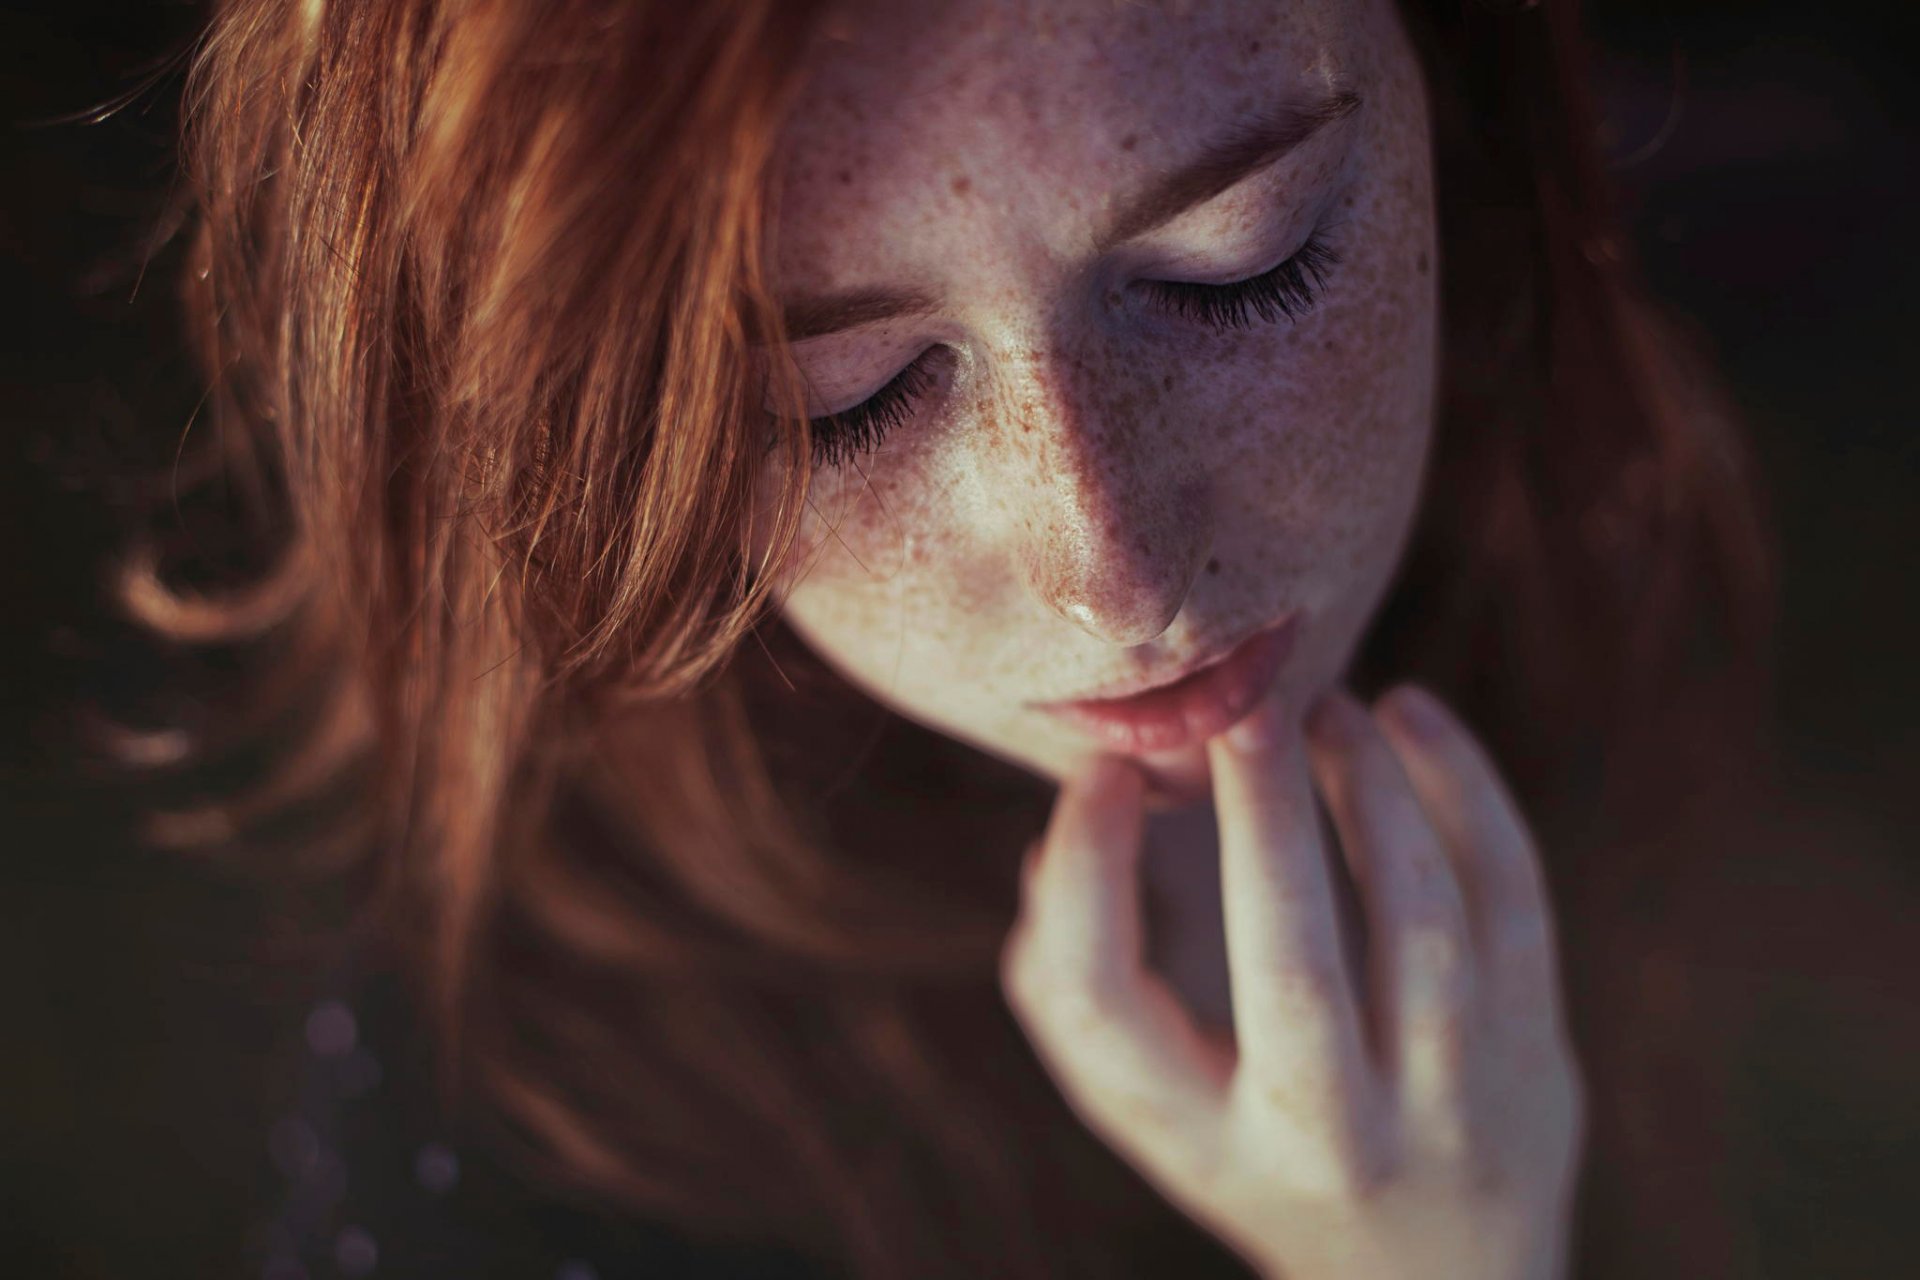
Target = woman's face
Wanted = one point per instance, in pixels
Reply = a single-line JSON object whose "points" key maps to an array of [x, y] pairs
{"points": [[1092, 464]]}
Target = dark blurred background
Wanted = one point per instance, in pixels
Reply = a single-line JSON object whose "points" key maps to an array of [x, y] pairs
{"points": [[1766, 152]]}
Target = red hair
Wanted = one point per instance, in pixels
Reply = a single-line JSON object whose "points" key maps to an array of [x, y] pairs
{"points": [[474, 288]]}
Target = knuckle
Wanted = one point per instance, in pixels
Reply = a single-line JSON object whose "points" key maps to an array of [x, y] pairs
{"points": [[1319, 1113], [1433, 944], [1437, 957], [1077, 998], [1441, 1036], [1100, 997], [1032, 983], [1301, 1105], [1448, 1133], [1309, 987], [1349, 1167], [1037, 988]]}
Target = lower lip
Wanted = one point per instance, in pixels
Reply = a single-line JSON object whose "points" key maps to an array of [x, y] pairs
{"points": [[1193, 708]]}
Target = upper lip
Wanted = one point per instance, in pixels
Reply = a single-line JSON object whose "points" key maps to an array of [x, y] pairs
{"points": [[1122, 689]]}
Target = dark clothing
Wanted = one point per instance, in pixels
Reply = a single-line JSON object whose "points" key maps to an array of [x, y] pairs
{"points": [[377, 1184]]}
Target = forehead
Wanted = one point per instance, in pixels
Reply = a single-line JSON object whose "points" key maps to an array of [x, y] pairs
{"points": [[919, 111]]}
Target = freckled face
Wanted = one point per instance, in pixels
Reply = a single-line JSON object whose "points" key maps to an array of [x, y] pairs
{"points": [[1094, 482]]}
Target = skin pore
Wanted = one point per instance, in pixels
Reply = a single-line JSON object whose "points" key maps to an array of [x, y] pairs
{"points": [[1093, 487]]}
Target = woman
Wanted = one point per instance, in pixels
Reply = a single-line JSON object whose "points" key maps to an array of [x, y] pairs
{"points": [[744, 477]]}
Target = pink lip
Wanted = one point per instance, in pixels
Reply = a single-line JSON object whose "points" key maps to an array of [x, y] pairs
{"points": [[1194, 707]]}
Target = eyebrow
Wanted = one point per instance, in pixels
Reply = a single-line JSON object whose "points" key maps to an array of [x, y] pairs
{"points": [[1251, 145]]}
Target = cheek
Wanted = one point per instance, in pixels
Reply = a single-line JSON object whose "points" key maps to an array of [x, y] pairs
{"points": [[1352, 412], [878, 553], [1369, 394], [1356, 409], [1318, 431]]}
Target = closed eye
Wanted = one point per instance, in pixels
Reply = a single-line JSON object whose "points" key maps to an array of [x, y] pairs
{"points": [[1288, 290], [838, 437]]}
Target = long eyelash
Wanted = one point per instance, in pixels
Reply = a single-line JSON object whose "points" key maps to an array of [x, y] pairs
{"points": [[1287, 290], [839, 437]]}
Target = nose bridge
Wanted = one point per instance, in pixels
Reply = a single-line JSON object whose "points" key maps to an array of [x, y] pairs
{"points": [[1114, 522]]}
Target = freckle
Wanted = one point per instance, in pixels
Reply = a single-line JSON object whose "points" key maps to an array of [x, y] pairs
{"points": [[1213, 566], [962, 184], [1422, 263], [1348, 202], [1166, 383], [1113, 297], [1143, 546], [1254, 47], [1129, 142], [1327, 345]]}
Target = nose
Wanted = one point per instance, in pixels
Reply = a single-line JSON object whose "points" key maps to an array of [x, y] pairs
{"points": [[1115, 520]]}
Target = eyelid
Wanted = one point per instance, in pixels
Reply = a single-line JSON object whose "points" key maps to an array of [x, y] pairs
{"points": [[857, 393], [845, 373], [862, 426], [1283, 184], [1287, 221], [1317, 232], [1290, 289]]}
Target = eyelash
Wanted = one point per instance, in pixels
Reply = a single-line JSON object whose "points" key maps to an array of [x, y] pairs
{"points": [[839, 437], [1289, 290]]}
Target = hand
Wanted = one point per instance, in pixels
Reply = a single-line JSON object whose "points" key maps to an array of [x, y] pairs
{"points": [[1429, 1126]]}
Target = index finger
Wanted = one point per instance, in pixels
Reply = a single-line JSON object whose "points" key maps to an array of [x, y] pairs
{"points": [[1294, 1010]]}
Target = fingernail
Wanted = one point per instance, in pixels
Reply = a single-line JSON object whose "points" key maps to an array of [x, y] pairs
{"points": [[1327, 718], [1259, 728], [1419, 711]]}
